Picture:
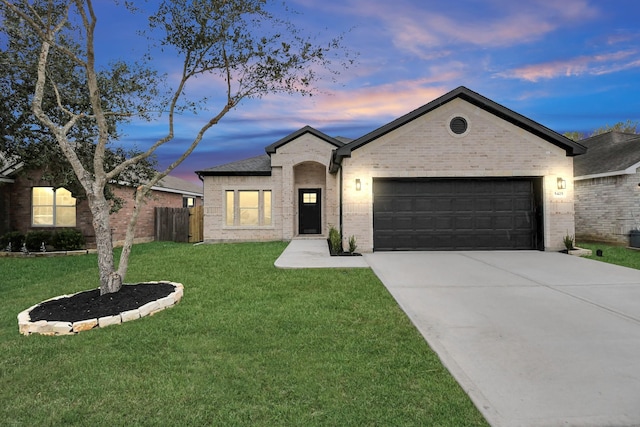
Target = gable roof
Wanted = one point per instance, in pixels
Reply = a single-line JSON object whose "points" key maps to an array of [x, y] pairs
{"points": [[609, 154], [168, 184], [271, 149], [8, 167], [261, 165], [254, 166], [572, 148]]}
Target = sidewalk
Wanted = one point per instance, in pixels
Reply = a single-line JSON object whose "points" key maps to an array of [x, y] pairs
{"points": [[315, 254]]}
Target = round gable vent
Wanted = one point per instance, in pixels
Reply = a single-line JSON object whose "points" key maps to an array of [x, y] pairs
{"points": [[458, 125]]}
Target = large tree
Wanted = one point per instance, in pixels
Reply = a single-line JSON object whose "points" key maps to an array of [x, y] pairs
{"points": [[630, 126], [24, 139], [240, 44]]}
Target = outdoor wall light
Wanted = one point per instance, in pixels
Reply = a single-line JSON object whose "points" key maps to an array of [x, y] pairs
{"points": [[358, 185], [562, 184]]}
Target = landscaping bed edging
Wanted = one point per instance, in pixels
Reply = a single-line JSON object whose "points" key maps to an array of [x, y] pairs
{"points": [[47, 254], [577, 251], [580, 252], [44, 327]]}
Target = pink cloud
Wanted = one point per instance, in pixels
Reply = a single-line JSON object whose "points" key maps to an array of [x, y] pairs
{"points": [[424, 31], [593, 65], [622, 37], [376, 103], [389, 100]]}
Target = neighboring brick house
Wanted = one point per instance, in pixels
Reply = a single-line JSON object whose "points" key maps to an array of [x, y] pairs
{"points": [[27, 202], [607, 188], [459, 173]]}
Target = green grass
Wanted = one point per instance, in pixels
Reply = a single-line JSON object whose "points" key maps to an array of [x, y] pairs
{"points": [[614, 254], [248, 345]]}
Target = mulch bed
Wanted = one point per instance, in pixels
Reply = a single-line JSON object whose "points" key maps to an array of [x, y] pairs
{"points": [[91, 305], [341, 253]]}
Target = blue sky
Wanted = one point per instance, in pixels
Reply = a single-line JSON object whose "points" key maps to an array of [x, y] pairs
{"points": [[567, 64]]}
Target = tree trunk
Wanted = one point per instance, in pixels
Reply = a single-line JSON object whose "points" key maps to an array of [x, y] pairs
{"points": [[138, 201], [110, 280]]}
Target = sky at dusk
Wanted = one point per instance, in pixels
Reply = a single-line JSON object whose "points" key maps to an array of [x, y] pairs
{"points": [[571, 65]]}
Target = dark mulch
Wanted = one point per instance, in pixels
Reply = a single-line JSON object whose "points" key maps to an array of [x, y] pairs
{"points": [[91, 305]]}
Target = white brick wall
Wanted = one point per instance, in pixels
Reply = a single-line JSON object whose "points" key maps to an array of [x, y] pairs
{"points": [[302, 163], [426, 148], [422, 148], [215, 229]]}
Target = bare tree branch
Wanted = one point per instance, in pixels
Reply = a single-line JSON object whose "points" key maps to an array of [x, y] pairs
{"points": [[240, 43]]}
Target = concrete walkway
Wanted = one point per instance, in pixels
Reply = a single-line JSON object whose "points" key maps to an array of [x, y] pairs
{"points": [[314, 253]]}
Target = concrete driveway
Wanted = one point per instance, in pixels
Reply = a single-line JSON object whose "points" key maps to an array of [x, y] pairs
{"points": [[535, 338]]}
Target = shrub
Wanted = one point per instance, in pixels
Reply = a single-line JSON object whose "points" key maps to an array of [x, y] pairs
{"points": [[335, 240], [16, 239], [352, 244], [568, 242], [35, 238], [68, 239]]}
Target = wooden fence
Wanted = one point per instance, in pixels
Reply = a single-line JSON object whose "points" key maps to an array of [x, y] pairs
{"points": [[179, 224], [196, 224]]}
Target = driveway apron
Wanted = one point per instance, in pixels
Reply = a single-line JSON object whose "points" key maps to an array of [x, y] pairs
{"points": [[534, 338]]}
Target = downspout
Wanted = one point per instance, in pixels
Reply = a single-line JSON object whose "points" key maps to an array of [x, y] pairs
{"points": [[340, 203], [335, 167]]}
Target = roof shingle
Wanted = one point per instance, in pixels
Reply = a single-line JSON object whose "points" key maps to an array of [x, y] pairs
{"points": [[608, 153], [181, 185], [254, 166]]}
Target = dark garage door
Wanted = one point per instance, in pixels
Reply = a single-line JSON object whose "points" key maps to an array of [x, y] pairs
{"points": [[457, 214]]}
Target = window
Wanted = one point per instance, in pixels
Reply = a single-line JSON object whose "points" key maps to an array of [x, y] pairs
{"points": [[266, 197], [310, 198], [188, 202], [53, 207], [230, 208], [248, 208]]}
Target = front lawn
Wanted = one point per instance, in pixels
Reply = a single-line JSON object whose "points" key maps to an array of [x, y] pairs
{"points": [[248, 345], [614, 254]]}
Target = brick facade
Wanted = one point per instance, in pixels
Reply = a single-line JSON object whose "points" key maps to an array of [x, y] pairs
{"points": [[302, 163], [607, 208], [422, 147], [5, 207], [15, 210], [145, 228], [425, 147], [17, 216]]}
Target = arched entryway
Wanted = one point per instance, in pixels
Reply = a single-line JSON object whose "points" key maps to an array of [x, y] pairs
{"points": [[310, 184]]}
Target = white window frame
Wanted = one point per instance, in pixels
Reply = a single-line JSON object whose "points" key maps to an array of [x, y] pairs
{"points": [[265, 216], [54, 206]]}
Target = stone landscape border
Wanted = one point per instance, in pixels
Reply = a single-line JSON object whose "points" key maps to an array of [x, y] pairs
{"points": [[44, 327], [20, 254]]}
